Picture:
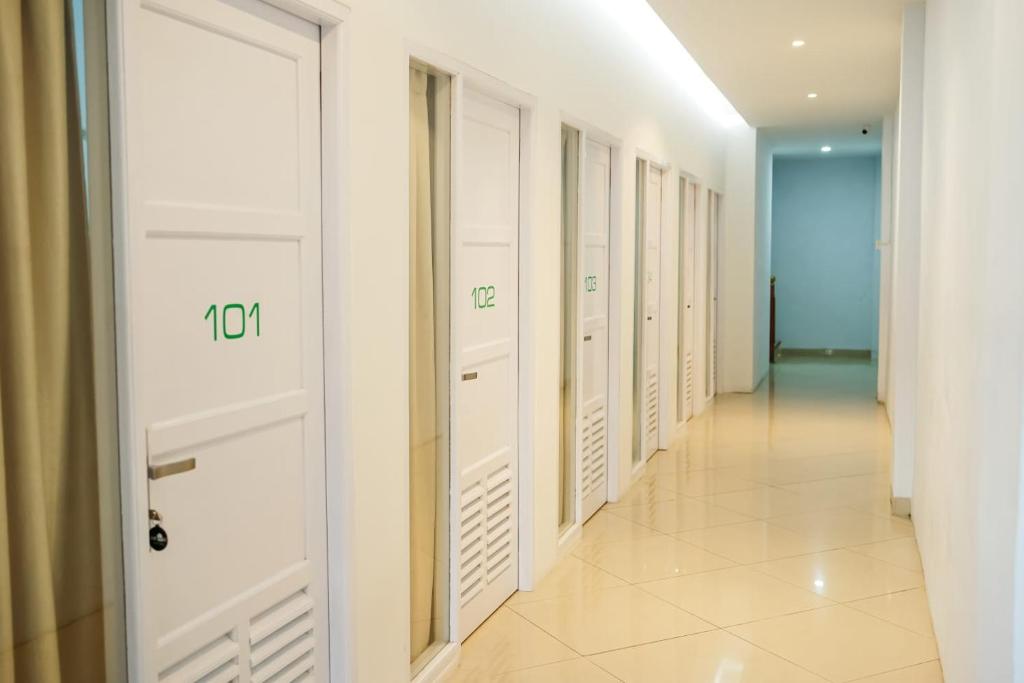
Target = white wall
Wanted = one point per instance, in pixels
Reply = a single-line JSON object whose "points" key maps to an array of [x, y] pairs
{"points": [[576, 57], [906, 254], [885, 257], [737, 340], [967, 495], [763, 257]]}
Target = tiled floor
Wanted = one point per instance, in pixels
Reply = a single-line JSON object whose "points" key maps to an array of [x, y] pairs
{"points": [[760, 548]]}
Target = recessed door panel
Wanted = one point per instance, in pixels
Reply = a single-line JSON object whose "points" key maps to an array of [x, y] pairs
{"points": [[222, 107], [594, 355], [485, 392]]}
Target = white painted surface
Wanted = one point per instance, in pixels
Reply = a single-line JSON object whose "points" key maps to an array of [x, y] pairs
{"points": [[651, 364], [743, 262], [224, 220], [967, 482], [593, 411], [884, 247], [686, 369], [850, 58], [485, 391], [630, 93], [906, 255]]}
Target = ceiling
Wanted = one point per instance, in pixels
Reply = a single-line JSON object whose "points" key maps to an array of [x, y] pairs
{"points": [[851, 59]]}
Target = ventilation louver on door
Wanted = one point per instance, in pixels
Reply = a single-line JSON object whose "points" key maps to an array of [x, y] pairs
{"points": [[281, 641], [689, 384], [267, 635], [651, 409], [486, 534], [593, 451]]}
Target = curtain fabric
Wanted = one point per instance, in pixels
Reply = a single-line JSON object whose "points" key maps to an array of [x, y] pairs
{"points": [[423, 431], [51, 602]]}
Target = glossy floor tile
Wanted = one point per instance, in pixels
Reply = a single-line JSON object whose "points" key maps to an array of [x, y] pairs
{"points": [[839, 643], [610, 619], [759, 548], [715, 657]]}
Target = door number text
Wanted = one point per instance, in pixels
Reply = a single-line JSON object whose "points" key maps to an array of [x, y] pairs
{"points": [[483, 296], [230, 323]]}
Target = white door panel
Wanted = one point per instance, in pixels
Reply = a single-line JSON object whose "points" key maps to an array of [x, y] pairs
{"points": [[689, 319], [223, 165], [652, 299], [594, 354], [485, 392]]}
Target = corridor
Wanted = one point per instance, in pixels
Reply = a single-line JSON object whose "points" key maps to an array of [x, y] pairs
{"points": [[760, 548]]}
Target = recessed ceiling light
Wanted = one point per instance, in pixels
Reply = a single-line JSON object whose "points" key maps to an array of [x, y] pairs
{"points": [[826, 149], [798, 43], [812, 95]]}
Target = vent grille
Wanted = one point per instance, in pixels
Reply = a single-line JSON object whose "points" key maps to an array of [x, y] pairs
{"points": [[487, 532], [651, 407], [472, 542], [214, 662], [282, 641], [689, 384], [594, 466]]}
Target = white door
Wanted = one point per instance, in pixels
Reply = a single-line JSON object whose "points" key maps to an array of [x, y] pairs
{"points": [[711, 287], [689, 207], [222, 113], [652, 316], [486, 332], [594, 350]]}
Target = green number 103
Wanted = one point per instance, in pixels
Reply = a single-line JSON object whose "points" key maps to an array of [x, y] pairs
{"points": [[230, 323]]}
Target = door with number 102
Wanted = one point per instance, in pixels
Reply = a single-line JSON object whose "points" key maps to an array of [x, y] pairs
{"points": [[485, 333]]}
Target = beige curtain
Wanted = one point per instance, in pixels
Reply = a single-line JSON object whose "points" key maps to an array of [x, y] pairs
{"points": [[423, 432], [51, 625]]}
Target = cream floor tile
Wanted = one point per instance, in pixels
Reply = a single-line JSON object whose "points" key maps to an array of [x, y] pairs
{"points": [[845, 527], [922, 673], [843, 490], [753, 542], [506, 642], [642, 493], [737, 595], [701, 482], [573, 671], [763, 502], [839, 643], [605, 527], [610, 618], [715, 657], [901, 552], [570, 575], [908, 609], [842, 575], [648, 559], [682, 514]]}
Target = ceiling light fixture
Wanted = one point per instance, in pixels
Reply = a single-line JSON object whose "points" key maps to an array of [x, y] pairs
{"points": [[798, 43], [812, 95], [826, 149]]}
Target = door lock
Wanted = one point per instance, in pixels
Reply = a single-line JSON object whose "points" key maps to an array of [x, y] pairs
{"points": [[157, 535]]}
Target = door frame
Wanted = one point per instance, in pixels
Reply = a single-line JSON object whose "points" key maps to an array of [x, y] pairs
{"points": [[332, 18], [462, 76], [589, 132]]}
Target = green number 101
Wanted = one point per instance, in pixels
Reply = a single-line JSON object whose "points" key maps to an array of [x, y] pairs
{"points": [[230, 324]]}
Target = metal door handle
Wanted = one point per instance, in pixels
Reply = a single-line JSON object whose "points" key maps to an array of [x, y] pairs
{"points": [[171, 468], [587, 338], [466, 376], [649, 318]]}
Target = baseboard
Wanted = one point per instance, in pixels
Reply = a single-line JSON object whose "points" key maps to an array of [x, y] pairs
{"points": [[900, 506], [859, 354], [443, 663]]}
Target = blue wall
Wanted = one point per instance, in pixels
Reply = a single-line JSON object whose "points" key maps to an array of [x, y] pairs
{"points": [[825, 220]]}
